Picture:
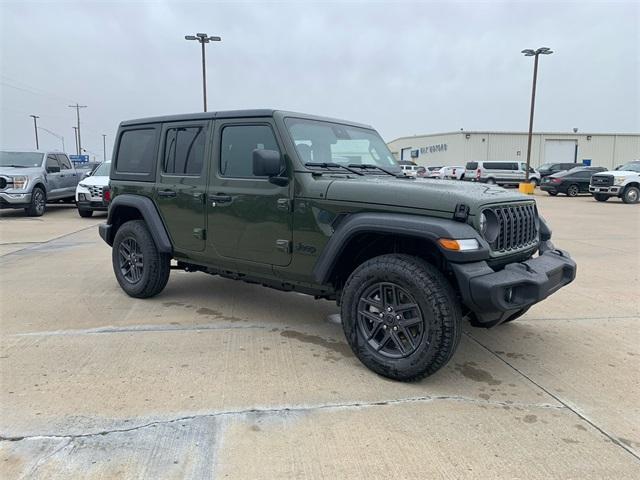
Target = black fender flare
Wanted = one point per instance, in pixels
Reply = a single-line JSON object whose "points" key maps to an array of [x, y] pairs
{"points": [[149, 213], [406, 225]]}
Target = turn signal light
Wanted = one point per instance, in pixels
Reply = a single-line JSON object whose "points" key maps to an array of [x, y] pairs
{"points": [[459, 245]]}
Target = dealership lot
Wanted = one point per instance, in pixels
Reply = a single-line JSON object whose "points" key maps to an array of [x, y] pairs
{"points": [[216, 378]]}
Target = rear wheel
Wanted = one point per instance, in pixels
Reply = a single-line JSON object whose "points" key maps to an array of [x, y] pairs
{"points": [[491, 181], [631, 195], [401, 317], [38, 203], [573, 190], [600, 197], [140, 269]]}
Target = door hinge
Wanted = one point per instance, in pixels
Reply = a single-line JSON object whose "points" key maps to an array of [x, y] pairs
{"points": [[283, 246], [200, 233], [284, 204]]}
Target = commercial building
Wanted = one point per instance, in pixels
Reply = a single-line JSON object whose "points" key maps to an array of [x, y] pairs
{"points": [[457, 148]]}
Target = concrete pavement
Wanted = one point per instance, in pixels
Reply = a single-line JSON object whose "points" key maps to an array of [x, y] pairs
{"points": [[219, 379]]}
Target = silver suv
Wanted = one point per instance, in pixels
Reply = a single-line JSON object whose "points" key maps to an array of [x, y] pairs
{"points": [[31, 179], [502, 173]]}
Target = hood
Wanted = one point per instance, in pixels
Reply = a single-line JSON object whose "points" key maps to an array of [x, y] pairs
{"points": [[617, 173], [99, 180], [29, 171], [435, 195]]}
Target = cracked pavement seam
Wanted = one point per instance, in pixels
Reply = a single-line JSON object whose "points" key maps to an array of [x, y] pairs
{"points": [[276, 411], [564, 403]]}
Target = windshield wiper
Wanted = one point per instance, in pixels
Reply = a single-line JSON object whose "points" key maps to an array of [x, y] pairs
{"points": [[14, 166], [331, 165], [370, 166]]}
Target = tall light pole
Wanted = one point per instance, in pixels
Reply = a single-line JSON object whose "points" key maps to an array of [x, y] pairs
{"points": [[203, 38], [35, 129], [533, 53], [75, 131], [104, 147], [78, 107]]}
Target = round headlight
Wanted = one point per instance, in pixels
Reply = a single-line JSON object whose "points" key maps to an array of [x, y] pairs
{"points": [[489, 225]]}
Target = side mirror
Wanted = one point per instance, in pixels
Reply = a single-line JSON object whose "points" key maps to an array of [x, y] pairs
{"points": [[618, 167], [53, 169], [266, 163], [86, 174]]}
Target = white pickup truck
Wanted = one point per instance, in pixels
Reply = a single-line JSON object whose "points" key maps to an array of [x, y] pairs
{"points": [[623, 182]]}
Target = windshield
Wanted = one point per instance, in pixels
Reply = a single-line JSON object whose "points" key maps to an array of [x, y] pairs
{"points": [[20, 159], [546, 166], [102, 170], [325, 142], [632, 166]]}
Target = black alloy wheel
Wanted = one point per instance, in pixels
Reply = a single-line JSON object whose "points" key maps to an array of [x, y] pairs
{"points": [[390, 320], [131, 260], [573, 190]]}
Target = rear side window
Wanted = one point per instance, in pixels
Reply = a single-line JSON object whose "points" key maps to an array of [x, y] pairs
{"points": [[493, 166], [237, 146], [184, 151], [137, 152], [472, 165]]}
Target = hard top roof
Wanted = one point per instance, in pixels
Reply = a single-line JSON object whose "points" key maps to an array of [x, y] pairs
{"points": [[264, 112]]}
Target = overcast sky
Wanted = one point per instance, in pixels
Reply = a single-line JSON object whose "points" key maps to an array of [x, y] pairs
{"points": [[406, 68]]}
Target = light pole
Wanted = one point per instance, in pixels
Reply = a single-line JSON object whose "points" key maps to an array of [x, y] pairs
{"points": [[533, 53], [35, 129], [75, 131], [104, 147], [59, 137], [203, 38]]}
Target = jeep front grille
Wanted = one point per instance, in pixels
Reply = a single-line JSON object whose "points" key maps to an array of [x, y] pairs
{"points": [[602, 180], [518, 227], [95, 191]]}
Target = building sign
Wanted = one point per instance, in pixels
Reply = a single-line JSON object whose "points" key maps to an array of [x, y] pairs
{"points": [[415, 153], [441, 147]]}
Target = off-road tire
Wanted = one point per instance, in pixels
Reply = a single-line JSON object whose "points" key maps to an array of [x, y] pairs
{"points": [[437, 303], [38, 203], [553, 194], [600, 197], [573, 190], [85, 213], [516, 315], [631, 195], [156, 265]]}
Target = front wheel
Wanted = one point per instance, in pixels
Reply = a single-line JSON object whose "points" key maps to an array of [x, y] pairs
{"points": [[631, 195], [38, 203], [491, 181], [140, 269], [600, 197], [573, 191], [534, 182], [85, 213], [401, 317]]}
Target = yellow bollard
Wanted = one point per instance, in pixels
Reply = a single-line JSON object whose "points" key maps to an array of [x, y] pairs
{"points": [[526, 188]]}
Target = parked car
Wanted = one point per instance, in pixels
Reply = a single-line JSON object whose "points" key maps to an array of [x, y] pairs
{"points": [[453, 173], [410, 169], [623, 182], [502, 173], [344, 233], [436, 172], [89, 193], [30, 179], [547, 169], [570, 182]]}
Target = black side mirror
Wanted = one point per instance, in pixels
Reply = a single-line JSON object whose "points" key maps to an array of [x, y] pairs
{"points": [[53, 169], [268, 163]]}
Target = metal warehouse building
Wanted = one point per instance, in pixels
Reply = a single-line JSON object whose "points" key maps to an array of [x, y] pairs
{"points": [[457, 148]]}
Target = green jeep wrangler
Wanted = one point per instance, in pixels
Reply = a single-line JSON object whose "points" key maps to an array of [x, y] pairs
{"points": [[320, 206]]}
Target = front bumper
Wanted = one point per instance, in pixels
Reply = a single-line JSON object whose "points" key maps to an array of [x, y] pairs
{"points": [[612, 190], [493, 296], [92, 205], [14, 200]]}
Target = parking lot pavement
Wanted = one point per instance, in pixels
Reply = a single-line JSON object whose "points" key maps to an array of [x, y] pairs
{"points": [[216, 378]]}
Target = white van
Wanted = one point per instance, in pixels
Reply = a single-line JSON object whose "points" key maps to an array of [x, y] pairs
{"points": [[502, 173]]}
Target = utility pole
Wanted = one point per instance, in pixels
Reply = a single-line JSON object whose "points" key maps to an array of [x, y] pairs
{"points": [[104, 147], [75, 131], [35, 128], [533, 53], [203, 38], [59, 137], [78, 107]]}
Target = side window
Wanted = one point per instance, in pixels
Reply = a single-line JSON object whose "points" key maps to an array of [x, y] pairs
{"points": [[65, 164], [184, 151], [237, 146], [136, 151], [52, 161], [584, 174]]}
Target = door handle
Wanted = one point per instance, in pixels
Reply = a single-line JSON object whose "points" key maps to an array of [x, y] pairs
{"points": [[166, 193], [220, 198]]}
